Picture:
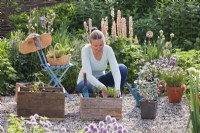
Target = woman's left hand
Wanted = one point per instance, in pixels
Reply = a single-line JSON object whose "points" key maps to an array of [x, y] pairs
{"points": [[117, 93]]}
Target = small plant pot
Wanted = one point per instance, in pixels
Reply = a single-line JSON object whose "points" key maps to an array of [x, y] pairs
{"points": [[148, 109], [175, 94]]}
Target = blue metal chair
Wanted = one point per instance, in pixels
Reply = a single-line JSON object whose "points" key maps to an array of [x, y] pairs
{"points": [[55, 72]]}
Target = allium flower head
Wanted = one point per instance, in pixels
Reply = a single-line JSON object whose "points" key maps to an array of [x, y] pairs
{"points": [[108, 119], [119, 131], [166, 52], [86, 129], [161, 32], [104, 130], [36, 116], [92, 126], [63, 130], [101, 124], [168, 45], [171, 35], [113, 120], [149, 34]]}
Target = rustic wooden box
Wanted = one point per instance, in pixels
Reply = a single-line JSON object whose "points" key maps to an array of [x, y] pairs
{"points": [[99, 108], [49, 102]]}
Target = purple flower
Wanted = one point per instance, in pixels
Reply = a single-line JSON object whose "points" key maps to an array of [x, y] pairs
{"points": [[36, 116], [108, 118], [86, 129], [113, 120], [172, 61], [119, 131], [42, 20], [63, 130], [45, 125], [53, 15], [92, 126], [104, 130], [34, 124], [120, 127], [101, 124], [125, 130]]}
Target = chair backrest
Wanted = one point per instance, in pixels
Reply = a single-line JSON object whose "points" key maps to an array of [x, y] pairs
{"points": [[40, 53]]}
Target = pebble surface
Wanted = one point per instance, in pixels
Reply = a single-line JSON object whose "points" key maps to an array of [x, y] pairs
{"points": [[170, 118]]}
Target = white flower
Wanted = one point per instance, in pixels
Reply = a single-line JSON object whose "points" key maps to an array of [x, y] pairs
{"points": [[149, 34], [171, 35]]}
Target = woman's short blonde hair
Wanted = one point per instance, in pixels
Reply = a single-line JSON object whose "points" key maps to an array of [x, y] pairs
{"points": [[97, 35]]}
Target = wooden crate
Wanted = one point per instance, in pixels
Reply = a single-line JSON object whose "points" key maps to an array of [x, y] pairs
{"points": [[49, 102], [99, 108]]}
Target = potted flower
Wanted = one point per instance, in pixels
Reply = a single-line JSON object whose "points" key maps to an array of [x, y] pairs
{"points": [[174, 77], [58, 55], [148, 98], [151, 70]]}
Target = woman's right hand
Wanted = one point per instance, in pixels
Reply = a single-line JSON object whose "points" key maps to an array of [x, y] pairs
{"points": [[104, 92]]}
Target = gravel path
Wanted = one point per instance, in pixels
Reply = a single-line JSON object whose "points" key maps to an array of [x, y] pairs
{"points": [[171, 118]]}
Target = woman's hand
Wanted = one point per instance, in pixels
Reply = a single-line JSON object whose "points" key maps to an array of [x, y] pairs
{"points": [[117, 93], [104, 92]]}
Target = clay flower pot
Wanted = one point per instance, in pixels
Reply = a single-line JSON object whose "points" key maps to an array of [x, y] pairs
{"points": [[175, 93]]}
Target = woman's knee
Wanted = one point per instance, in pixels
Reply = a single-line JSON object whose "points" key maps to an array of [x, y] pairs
{"points": [[123, 69]]}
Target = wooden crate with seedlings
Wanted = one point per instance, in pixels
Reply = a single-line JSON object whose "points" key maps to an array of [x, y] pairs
{"points": [[99, 108], [47, 101]]}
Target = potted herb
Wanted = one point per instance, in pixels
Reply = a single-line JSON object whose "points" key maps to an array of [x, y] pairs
{"points": [[58, 55], [174, 77], [148, 101]]}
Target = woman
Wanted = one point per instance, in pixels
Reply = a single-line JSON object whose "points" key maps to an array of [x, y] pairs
{"points": [[94, 62]]}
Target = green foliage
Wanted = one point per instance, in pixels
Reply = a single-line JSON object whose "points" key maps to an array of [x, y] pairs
{"points": [[174, 76], [36, 124], [19, 21], [181, 18], [194, 105], [110, 91], [187, 59], [7, 72], [130, 55], [15, 124]]}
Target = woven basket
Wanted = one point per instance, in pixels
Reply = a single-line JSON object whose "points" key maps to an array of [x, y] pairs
{"points": [[63, 60]]}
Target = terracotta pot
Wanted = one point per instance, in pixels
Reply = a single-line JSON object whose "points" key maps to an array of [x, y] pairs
{"points": [[175, 94]]}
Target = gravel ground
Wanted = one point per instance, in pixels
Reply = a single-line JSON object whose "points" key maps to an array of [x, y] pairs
{"points": [[171, 118]]}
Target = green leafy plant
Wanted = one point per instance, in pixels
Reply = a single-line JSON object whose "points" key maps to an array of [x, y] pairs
{"points": [[57, 51], [110, 91], [36, 124]]}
